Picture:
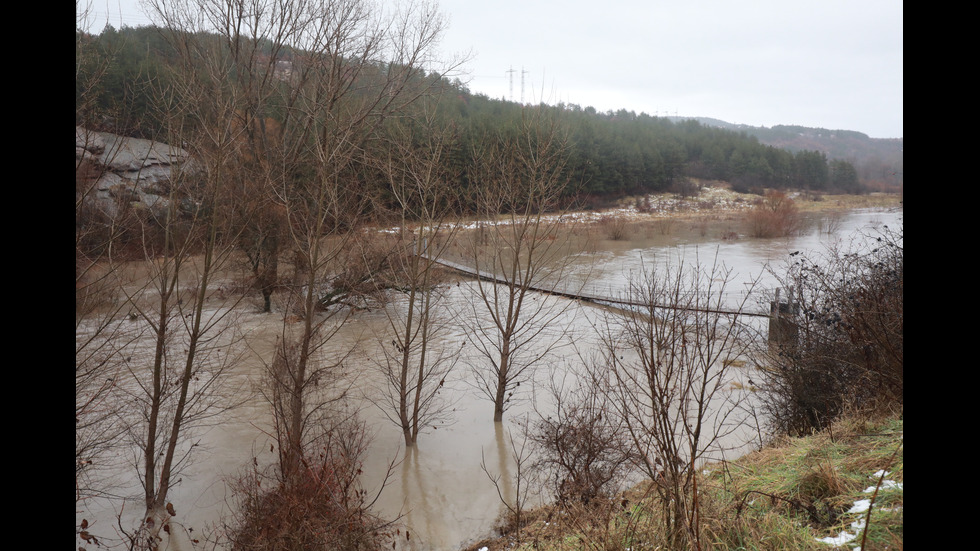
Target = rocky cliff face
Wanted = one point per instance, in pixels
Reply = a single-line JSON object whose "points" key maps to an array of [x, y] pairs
{"points": [[113, 172]]}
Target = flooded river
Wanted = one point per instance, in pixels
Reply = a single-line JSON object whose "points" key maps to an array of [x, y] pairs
{"points": [[440, 490]]}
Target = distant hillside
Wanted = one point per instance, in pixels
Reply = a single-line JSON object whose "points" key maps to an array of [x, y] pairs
{"points": [[610, 155], [848, 145]]}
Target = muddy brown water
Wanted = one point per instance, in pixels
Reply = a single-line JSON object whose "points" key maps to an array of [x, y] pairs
{"points": [[441, 490]]}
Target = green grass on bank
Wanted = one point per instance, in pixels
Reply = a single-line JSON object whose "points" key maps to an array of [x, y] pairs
{"points": [[797, 493]]}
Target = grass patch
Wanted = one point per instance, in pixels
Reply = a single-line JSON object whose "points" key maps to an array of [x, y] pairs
{"points": [[807, 489], [806, 493]]}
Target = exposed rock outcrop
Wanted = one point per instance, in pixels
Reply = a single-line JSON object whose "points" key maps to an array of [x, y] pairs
{"points": [[116, 171]]}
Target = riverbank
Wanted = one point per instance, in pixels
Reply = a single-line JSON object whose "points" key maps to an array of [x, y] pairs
{"points": [[715, 210], [716, 201], [838, 489]]}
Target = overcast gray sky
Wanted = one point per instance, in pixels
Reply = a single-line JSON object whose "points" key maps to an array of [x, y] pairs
{"points": [[833, 64]]}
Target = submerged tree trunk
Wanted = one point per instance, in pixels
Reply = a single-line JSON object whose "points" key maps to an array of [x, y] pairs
{"points": [[522, 183]]}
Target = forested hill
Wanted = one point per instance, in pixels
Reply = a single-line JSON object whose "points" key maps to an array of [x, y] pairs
{"points": [[610, 154], [836, 144], [622, 152]]}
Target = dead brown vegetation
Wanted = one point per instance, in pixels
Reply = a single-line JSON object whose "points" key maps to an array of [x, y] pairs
{"points": [[321, 506], [616, 228], [776, 215]]}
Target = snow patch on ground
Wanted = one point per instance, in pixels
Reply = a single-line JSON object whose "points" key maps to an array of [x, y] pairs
{"points": [[653, 206], [860, 506]]}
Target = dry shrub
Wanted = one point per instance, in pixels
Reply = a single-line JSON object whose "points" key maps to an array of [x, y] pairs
{"points": [[821, 482], [583, 450], [849, 353], [833, 223], [775, 215], [701, 226], [321, 507], [615, 228], [645, 205], [666, 226]]}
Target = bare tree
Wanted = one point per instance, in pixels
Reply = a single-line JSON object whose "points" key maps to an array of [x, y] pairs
{"points": [[187, 339], [193, 344], [416, 363], [257, 36], [519, 183], [349, 68], [666, 371], [97, 342], [304, 118], [352, 69], [104, 337], [358, 68]]}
